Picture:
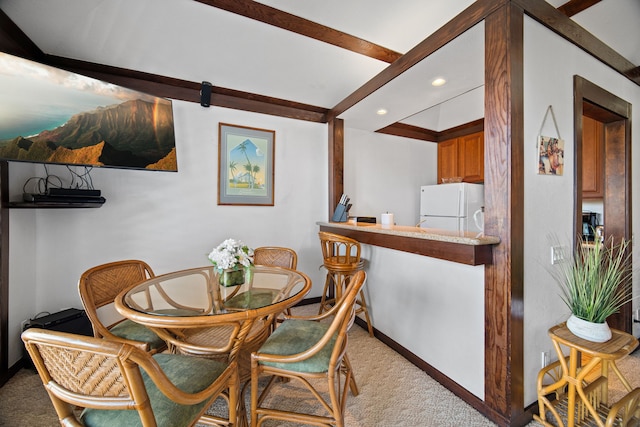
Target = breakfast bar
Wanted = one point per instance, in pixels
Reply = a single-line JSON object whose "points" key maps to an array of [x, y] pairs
{"points": [[456, 246], [424, 287]]}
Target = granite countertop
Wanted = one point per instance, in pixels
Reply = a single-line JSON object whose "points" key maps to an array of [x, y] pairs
{"points": [[460, 237]]}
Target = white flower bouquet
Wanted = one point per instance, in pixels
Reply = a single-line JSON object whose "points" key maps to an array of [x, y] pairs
{"points": [[231, 254]]}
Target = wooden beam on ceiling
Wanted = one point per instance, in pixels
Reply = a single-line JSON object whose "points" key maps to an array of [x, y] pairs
{"points": [[286, 21], [633, 74], [416, 132], [556, 21], [452, 29], [15, 42], [185, 90], [574, 7], [409, 131]]}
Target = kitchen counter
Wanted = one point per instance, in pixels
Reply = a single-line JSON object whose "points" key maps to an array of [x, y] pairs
{"points": [[462, 247]]}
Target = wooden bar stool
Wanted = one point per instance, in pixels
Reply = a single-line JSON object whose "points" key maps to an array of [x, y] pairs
{"points": [[341, 259]]}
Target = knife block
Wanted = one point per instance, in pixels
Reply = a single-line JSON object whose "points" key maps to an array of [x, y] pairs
{"points": [[340, 214]]}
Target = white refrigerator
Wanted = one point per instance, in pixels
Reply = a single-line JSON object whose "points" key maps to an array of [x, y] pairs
{"points": [[452, 206]]}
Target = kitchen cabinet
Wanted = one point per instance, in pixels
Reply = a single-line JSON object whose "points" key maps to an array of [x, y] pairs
{"points": [[592, 158], [462, 157]]}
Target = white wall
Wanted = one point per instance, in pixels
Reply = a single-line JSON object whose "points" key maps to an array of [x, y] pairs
{"points": [[433, 308], [383, 173], [550, 63], [171, 220]]}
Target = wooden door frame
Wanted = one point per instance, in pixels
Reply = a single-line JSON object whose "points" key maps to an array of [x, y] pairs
{"points": [[603, 106]]}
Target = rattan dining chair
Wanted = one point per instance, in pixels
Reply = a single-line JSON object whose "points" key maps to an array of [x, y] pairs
{"points": [[341, 259], [99, 286], [118, 384], [276, 256], [306, 349]]}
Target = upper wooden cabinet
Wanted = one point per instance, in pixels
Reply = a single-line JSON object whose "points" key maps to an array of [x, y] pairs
{"points": [[448, 159], [462, 156], [592, 158]]}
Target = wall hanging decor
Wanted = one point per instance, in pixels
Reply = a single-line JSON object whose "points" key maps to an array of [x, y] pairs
{"points": [[550, 149], [50, 115], [245, 165]]}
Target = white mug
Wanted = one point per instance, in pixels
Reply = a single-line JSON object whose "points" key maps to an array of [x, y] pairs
{"points": [[478, 218]]}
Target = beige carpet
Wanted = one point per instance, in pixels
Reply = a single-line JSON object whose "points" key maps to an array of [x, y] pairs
{"points": [[393, 392]]}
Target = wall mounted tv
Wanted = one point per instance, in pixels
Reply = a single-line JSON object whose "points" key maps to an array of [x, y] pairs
{"points": [[48, 115]]}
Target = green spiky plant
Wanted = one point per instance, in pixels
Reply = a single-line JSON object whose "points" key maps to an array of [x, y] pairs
{"points": [[596, 281]]}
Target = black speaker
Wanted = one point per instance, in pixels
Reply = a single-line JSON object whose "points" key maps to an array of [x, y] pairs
{"points": [[205, 94], [70, 320]]}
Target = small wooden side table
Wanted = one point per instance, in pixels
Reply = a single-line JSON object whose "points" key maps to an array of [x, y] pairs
{"points": [[579, 399]]}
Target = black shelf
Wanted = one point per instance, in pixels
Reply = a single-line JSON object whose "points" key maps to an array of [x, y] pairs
{"points": [[52, 205]]}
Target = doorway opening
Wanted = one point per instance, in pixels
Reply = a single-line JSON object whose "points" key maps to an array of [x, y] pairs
{"points": [[609, 117]]}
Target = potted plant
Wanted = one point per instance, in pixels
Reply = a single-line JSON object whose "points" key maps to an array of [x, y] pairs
{"points": [[233, 261], [595, 283]]}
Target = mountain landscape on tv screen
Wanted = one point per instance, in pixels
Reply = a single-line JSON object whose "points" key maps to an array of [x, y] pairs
{"points": [[133, 134]]}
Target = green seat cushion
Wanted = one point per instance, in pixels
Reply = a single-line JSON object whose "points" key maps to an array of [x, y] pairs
{"points": [[295, 336], [190, 374], [137, 332]]}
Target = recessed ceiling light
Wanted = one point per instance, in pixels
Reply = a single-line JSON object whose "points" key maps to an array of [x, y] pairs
{"points": [[438, 82], [381, 112]]}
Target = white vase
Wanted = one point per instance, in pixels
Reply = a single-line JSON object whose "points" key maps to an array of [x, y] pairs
{"points": [[596, 332]]}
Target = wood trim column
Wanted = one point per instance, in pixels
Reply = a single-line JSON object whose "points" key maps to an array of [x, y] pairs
{"points": [[336, 163], [4, 272], [504, 214]]}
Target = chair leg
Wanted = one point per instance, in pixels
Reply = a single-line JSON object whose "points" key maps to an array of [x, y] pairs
{"points": [[364, 309], [338, 392], [348, 371], [326, 300]]}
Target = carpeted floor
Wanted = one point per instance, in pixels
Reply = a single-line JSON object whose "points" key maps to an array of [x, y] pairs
{"points": [[393, 392]]}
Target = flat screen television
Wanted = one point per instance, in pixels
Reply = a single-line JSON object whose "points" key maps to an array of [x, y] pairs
{"points": [[48, 115]]}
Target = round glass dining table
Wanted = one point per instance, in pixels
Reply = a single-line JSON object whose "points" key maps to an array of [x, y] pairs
{"points": [[197, 315]]}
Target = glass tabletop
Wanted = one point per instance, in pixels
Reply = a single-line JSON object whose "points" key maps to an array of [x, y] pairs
{"points": [[199, 292]]}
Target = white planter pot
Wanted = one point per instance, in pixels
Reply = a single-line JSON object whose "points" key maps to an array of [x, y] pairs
{"points": [[596, 332]]}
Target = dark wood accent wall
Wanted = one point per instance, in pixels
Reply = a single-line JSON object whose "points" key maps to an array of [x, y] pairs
{"points": [[504, 213]]}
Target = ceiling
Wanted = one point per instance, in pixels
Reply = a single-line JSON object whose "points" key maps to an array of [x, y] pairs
{"points": [[200, 41]]}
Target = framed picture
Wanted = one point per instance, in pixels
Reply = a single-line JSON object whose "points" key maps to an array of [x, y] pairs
{"points": [[550, 156], [245, 165]]}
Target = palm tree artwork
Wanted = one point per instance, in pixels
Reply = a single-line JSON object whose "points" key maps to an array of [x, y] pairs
{"points": [[247, 156], [248, 167], [233, 166]]}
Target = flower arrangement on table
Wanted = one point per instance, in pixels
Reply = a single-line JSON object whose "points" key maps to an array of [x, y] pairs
{"points": [[231, 259]]}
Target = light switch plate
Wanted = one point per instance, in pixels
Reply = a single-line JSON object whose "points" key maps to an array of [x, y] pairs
{"points": [[557, 254]]}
